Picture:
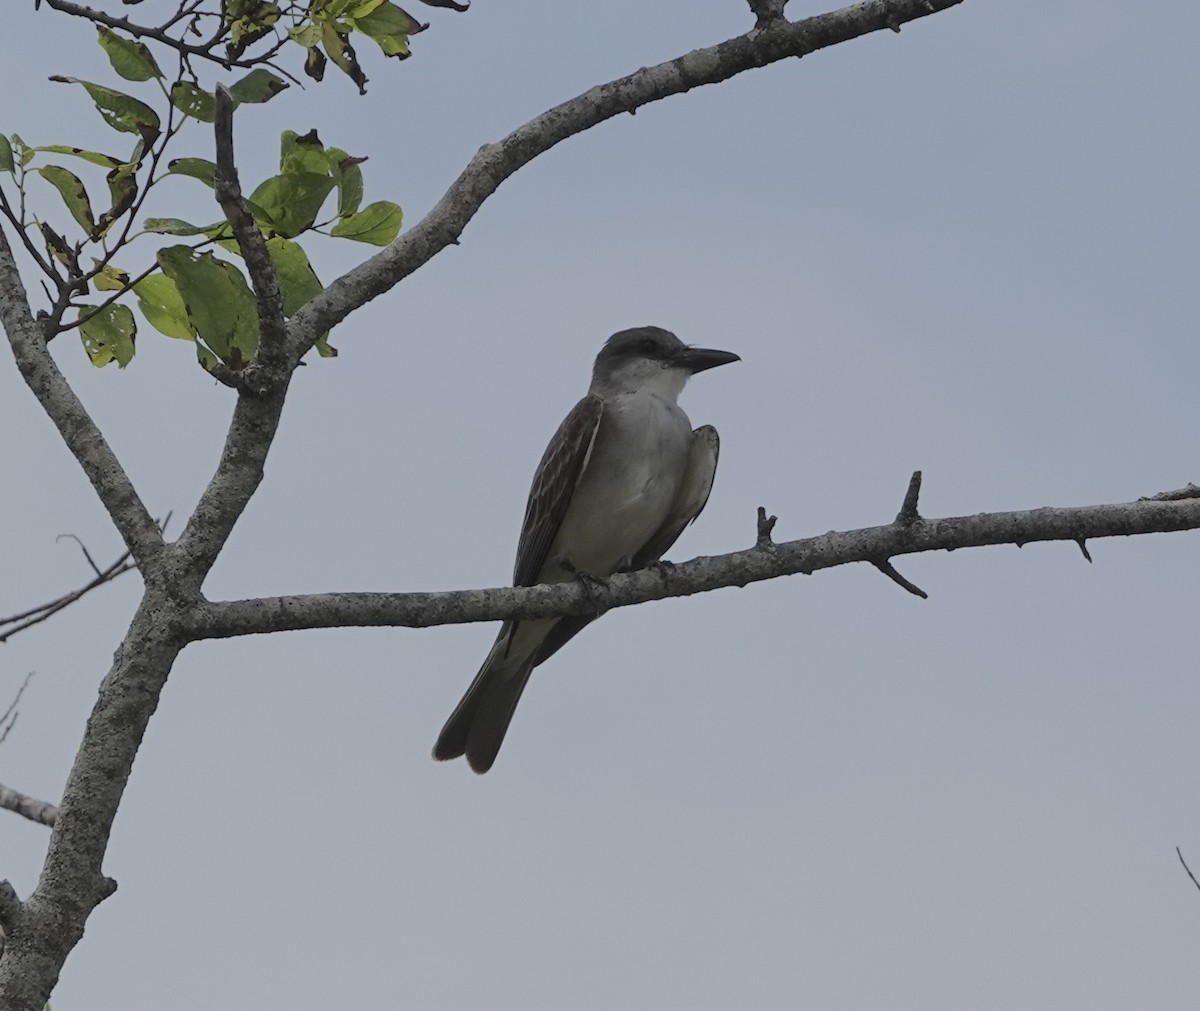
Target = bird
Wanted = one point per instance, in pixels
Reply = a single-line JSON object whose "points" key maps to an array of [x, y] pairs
{"points": [[620, 480]]}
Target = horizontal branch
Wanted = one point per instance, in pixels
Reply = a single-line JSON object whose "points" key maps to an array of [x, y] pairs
{"points": [[40, 811], [493, 163], [222, 619]]}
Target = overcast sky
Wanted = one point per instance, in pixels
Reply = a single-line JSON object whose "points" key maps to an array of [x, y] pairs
{"points": [[968, 248]]}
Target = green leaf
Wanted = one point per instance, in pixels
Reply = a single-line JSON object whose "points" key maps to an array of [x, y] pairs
{"points": [[104, 160], [120, 111], [6, 156], [297, 280], [193, 101], [195, 168], [303, 153], [109, 335], [389, 26], [177, 226], [162, 305], [377, 223], [220, 306], [307, 35], [257, 86], [70, 188], [132, 60], [291, 201], [23, 151], [108, 277], [349, 181]]}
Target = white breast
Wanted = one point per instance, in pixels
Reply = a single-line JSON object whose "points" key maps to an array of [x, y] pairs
{"points": [[626, 493]]}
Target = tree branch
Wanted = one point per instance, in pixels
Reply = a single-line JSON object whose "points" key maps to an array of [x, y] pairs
{"points": [[764, 561], [79, 432], [494, 163], [72, 881], [40, 811], [270, 362], [204, 50], [10, 911]]}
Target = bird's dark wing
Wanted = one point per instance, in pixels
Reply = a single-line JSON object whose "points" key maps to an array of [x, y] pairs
{"points": [[553, 485], [693, 496]]}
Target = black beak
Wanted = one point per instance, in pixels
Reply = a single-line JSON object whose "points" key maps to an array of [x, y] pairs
{"points": [[699, 359]]}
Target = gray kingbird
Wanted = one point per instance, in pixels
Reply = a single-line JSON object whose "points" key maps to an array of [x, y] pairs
{"points": [[622, 477]]}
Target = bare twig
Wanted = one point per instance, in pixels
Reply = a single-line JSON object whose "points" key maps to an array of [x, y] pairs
{"points": [[15, 623], [889, 570], [1187, 868], [9, 719], [36, 810], [766, 524]]}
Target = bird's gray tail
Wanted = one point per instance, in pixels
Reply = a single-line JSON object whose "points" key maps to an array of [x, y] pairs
{"points": [[479, 722]]}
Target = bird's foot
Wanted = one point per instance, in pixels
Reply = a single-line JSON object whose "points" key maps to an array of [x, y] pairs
{"points": [[663, 568], [595, 587]]}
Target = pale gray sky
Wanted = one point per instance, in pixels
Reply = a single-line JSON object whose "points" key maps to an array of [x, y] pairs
{"points": [[969, 248]]}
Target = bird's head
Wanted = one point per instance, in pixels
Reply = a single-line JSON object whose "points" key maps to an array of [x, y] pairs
{"points": [[651, 357]]}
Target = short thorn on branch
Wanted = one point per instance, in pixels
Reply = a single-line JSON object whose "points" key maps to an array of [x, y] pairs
{"points": [[1188, 491], [1082, 542], [908, 509], [766, 12], [765, 525], [889, 570]]}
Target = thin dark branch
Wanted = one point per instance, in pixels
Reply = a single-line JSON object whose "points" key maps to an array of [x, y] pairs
{"points": [[421, 610], [1187, 868], [270, 356], [83, 548], [15, 623], [203, 50], [9, 719], [889, 570]]}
